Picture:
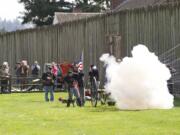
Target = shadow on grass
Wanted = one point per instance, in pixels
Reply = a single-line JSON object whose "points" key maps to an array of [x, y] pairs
{"points": [[102, 109]]}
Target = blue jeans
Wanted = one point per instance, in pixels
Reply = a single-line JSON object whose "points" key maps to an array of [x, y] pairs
{"points": [[55, 83], [48, 89], [82, 94], [73, 92]]}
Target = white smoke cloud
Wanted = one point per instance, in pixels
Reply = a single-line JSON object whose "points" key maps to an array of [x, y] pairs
{"points": [[138, 82]]}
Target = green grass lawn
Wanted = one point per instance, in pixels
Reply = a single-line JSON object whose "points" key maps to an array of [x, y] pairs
{"points": [[28, 114]]}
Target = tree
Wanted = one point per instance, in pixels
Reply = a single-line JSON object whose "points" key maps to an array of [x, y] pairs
{"points": [[92, 5], [2, 30], [41, 12], [12, 25]]}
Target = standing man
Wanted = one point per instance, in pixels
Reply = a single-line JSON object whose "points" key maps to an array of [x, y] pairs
{"points": [[5, 76], [48, 83], [81, 86], [24, 71], [35, 68], [17, 69], [93, 72], [54, 71], [24, 68], [73, 90]]}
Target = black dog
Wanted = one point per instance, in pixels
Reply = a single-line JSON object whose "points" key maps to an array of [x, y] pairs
{"points": [[67, 101]]}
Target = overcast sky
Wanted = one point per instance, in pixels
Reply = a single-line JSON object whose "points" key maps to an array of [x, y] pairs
{"points": [[10, 9]]}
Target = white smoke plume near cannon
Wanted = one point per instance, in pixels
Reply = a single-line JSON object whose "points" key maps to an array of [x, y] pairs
{"points": [[138, 82]]}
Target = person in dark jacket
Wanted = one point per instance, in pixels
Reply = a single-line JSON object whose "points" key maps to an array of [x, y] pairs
{"points": [[94, 77], [35, 69], [81, 86], [48, 83], [18, 71], [73, 89], [93, 72]]}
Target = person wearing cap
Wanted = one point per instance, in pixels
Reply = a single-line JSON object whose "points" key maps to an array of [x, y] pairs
{"points": [[4, 74], [81, 86], [93, 72], [73, 89], [17, 72], [24, 68], [24, 71], [48, 83], [35, 69]]}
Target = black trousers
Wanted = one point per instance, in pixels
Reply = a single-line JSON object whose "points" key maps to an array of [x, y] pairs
{"points": [[4, 86]]}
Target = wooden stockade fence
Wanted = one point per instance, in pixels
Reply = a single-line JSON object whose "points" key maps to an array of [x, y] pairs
{"points": [[117, 32]]}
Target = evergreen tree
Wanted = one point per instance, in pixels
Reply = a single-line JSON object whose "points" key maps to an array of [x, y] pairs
{"points": [[12, 25], [92, 5], [41, 12]]}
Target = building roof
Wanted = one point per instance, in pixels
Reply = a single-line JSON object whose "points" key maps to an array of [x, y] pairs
{"points": [[132, 4], [61, 17]]}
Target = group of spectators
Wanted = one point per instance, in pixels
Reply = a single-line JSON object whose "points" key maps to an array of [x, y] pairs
{"points": [[22, 72], [22, 69], [73, 80]]}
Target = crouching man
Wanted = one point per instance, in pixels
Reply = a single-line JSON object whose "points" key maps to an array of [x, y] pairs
{"points": [[48, 83]]}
